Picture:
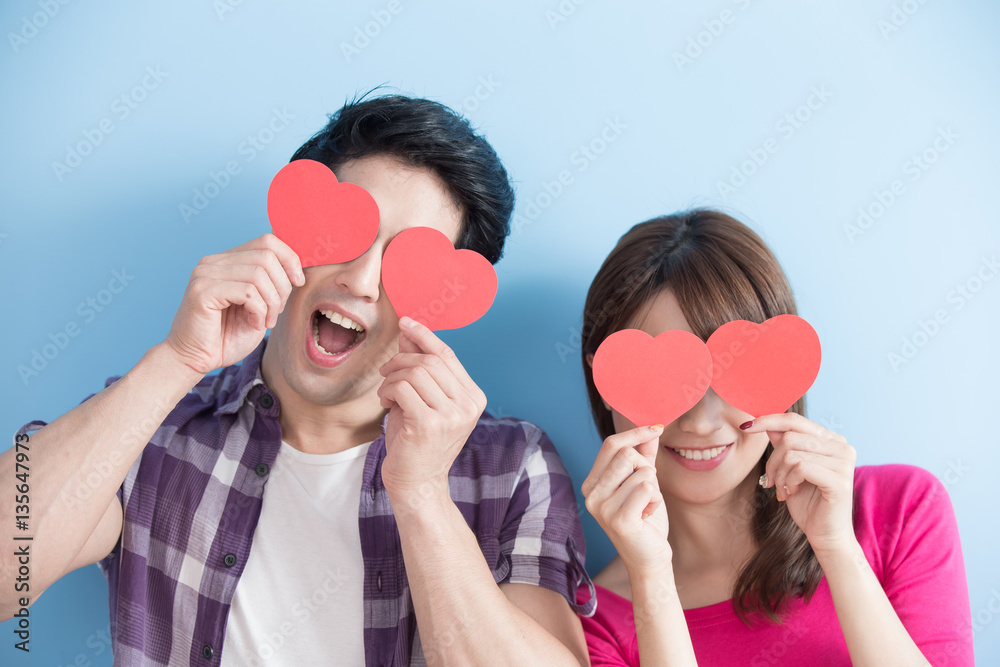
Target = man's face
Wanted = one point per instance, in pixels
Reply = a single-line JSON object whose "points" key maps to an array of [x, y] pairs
{"points": [[324, 361]]}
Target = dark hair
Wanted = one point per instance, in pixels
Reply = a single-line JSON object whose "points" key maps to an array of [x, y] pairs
{"points": [[425, 134], [719, 270]]}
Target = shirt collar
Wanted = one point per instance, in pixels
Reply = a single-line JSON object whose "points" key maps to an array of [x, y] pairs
{"points": [[246, 378]]}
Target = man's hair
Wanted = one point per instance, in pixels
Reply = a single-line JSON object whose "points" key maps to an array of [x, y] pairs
{"points": [[425, 134]]}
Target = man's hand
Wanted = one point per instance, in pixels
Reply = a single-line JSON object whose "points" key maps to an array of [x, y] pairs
{"points": [[433, 407], [231, 300]]}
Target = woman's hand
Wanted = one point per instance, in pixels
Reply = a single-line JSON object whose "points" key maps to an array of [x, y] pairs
{"points": [[812, 469], [622, 493]]}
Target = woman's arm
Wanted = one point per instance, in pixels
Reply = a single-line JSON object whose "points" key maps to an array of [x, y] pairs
{"points": [[813, 471], [622, 493]]}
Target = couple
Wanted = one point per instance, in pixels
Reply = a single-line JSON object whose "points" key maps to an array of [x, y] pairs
{"points": [[403, 525]]}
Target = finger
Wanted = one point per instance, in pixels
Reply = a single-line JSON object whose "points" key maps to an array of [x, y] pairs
{"points": [[430, 363], [635, 500], [403, 395], [254, 274], [287, 257], [267, 259], [781, 475], [613, 444], [833, 484], [220, 295], [786, 421], [618, 472], [427, 342], [429, 391]]}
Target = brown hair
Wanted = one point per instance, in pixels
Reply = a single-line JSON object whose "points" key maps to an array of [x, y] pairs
{"points": [[719, 270]]}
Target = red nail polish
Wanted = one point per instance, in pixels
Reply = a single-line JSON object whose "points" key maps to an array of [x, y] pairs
{"points": [[745, 425]]}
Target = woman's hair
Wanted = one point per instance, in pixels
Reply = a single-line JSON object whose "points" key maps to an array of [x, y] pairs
{"points": [[719, 270], [425, 134]]}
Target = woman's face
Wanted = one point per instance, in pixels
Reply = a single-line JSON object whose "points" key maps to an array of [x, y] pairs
{"points": [[703, 455]]}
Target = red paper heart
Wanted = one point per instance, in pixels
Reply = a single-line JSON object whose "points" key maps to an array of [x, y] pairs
{"points": [[764, 368], [322, 220], [426, 278], [652, 380]]}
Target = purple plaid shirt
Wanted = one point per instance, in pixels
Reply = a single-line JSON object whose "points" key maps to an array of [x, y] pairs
{"points": [[192, 499]]}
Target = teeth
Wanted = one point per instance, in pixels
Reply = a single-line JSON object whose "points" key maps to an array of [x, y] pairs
{"points": [[345, 322], [700, 454]]}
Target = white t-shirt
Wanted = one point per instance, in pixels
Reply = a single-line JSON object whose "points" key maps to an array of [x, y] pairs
{"points": [[299, 599]]}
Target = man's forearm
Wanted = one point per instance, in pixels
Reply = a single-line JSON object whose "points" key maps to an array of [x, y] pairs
{"points": [[78, 461], [462, 615]]}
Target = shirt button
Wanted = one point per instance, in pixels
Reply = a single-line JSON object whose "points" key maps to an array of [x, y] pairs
{"points": [[379, 582], [229, 560], [261, 469], [266, 401], [207, 651]]}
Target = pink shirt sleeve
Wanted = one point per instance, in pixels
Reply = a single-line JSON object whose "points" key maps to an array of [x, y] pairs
{"points": [[906, 525]]}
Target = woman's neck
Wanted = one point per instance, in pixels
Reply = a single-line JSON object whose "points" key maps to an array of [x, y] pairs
{"points": [[712, 536]]}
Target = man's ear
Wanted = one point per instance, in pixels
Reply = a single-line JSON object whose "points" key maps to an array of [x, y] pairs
{"points": [[590, 362]]}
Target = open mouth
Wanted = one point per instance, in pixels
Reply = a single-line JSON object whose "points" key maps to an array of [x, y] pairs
{"points": [[335, 334]]}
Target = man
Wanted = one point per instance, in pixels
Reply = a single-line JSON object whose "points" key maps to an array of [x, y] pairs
{"points": [[393, 502]]}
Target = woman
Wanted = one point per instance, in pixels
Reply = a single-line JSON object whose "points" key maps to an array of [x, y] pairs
{"points": [[777, 550]]}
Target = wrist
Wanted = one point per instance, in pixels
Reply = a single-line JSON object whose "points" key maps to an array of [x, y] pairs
{"points": [[832, 552], [168, 363], [424, 500]]}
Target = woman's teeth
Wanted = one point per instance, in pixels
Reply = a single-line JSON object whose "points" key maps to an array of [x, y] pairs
{"points": [[700, 454]]}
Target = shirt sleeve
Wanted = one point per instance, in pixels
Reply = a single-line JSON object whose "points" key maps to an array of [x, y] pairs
{"points": [[919, 561], [36, 425], [541, 539], [607, 633]]}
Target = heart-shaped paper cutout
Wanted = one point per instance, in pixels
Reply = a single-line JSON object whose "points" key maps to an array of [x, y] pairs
{"points": [[322, 220], [764, 368], [652, 380], [427, 279]]}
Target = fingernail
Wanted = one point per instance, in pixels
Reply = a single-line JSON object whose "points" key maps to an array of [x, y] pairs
{"points": [[745, 425], [407, 322], [656, 428]]}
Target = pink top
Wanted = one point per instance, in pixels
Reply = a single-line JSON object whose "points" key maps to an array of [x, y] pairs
{"points": [[904, 522]]}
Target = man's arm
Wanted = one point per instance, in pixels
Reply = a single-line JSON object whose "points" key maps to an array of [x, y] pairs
{"points": [[77, 463], [463, 617]]}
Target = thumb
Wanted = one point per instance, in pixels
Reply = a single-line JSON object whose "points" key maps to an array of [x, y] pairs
{"points": [[407, 344], [648, 449]]}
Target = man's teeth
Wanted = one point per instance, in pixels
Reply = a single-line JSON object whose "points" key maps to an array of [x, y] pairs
{"points": [[345, 322], [700, 454]]}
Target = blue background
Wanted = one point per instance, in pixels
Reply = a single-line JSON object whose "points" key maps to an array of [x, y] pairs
{"points": [[542, 86]]}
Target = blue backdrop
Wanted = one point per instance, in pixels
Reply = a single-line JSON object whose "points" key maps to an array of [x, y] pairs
{"points": [[859, 138]]}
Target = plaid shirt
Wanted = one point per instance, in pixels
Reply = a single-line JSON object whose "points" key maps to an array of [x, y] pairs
{"points": [[192, 499]]}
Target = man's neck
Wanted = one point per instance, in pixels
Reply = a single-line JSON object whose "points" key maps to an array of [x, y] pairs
{"points": [[316, 428]]}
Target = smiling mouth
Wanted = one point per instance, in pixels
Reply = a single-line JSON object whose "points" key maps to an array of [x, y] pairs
{"points": [[701, 454], [335, 334]]}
